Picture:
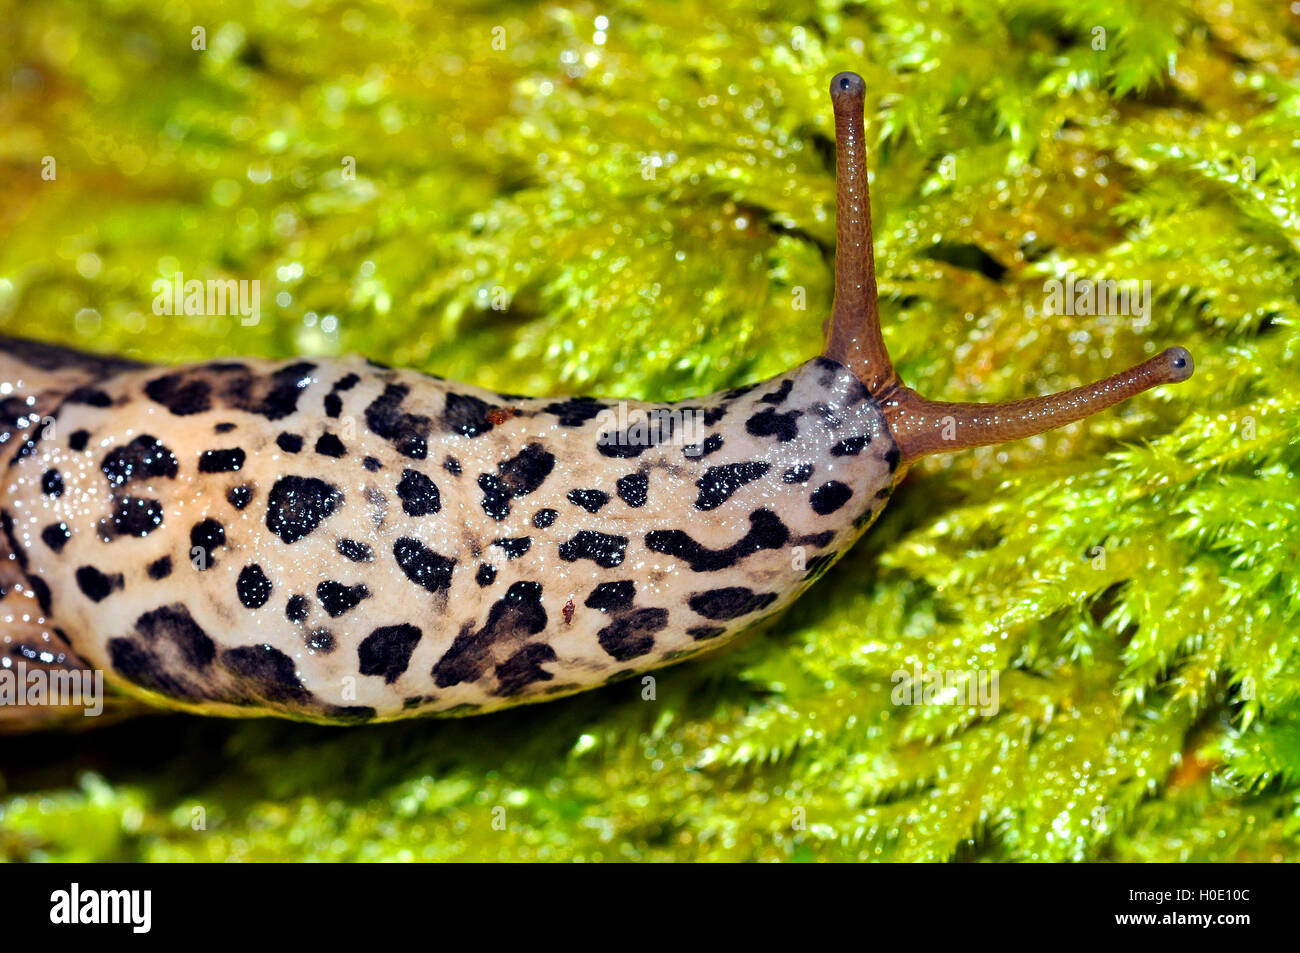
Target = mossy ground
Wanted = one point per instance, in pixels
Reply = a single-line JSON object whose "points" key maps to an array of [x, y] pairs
{"points": [[651, 198]]}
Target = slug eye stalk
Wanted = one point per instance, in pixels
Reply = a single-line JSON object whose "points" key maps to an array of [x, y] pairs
{"points": [[922, 426]]}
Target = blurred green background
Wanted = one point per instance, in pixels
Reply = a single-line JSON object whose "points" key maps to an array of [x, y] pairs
{"points": [[651, 187]]}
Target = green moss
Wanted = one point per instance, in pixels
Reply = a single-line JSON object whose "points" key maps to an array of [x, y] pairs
{"points": [[653, 202]]}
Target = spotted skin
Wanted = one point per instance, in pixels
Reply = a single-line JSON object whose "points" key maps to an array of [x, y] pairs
{"points": [[335, 541]]}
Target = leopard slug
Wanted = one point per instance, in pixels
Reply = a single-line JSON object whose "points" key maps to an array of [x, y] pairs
{"points": [[336, 541]]}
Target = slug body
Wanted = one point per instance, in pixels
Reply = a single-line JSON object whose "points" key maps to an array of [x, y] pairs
{"points": [[335, 541]]}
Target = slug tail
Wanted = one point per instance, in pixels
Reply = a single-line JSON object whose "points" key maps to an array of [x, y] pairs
{"points": [[854, 339]]}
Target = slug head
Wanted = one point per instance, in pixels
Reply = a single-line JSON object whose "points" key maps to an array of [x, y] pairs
{"points": [[922, 426]]}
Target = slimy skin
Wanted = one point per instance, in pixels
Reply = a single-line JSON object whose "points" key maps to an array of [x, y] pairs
{"points": [[336, 541]]}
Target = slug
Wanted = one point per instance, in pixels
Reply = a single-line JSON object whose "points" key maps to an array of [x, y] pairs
{"points": [[336, 541]]}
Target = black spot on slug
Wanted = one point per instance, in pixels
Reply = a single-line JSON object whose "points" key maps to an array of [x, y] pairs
{"points": [[516, 615], [576, 411], [407, 432], [633, 489], [320, 640], [769, 423], [90, 396], [265, 673], [181, 395], [604, 549], [418, 494], [173, 625], [78, 439], [281, 393], [527, 470], [207, 535], [160, 568], [387, 651], [221, 461], [133, 516], [297, 505], [96, 586], [56, 536], [337, 598], [329, 445], [829, 497], [632, 634], [514, 548], [589, 500], [544, 518], [486, 575], [142, 458], [729, 602], [467, 415], [422, 565], [702, 632], [523, 668], [777, 397], [296, 608], [355, 551], [52, 483], [766, 531], [289, 442], [496, 498], [850, 447], [609, 596], [252, 587], [798, 474], [720, 482], [239, 496]]}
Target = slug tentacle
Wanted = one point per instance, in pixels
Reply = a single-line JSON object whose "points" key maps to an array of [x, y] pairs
{"points": [[854, 338], [921, 426]]}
